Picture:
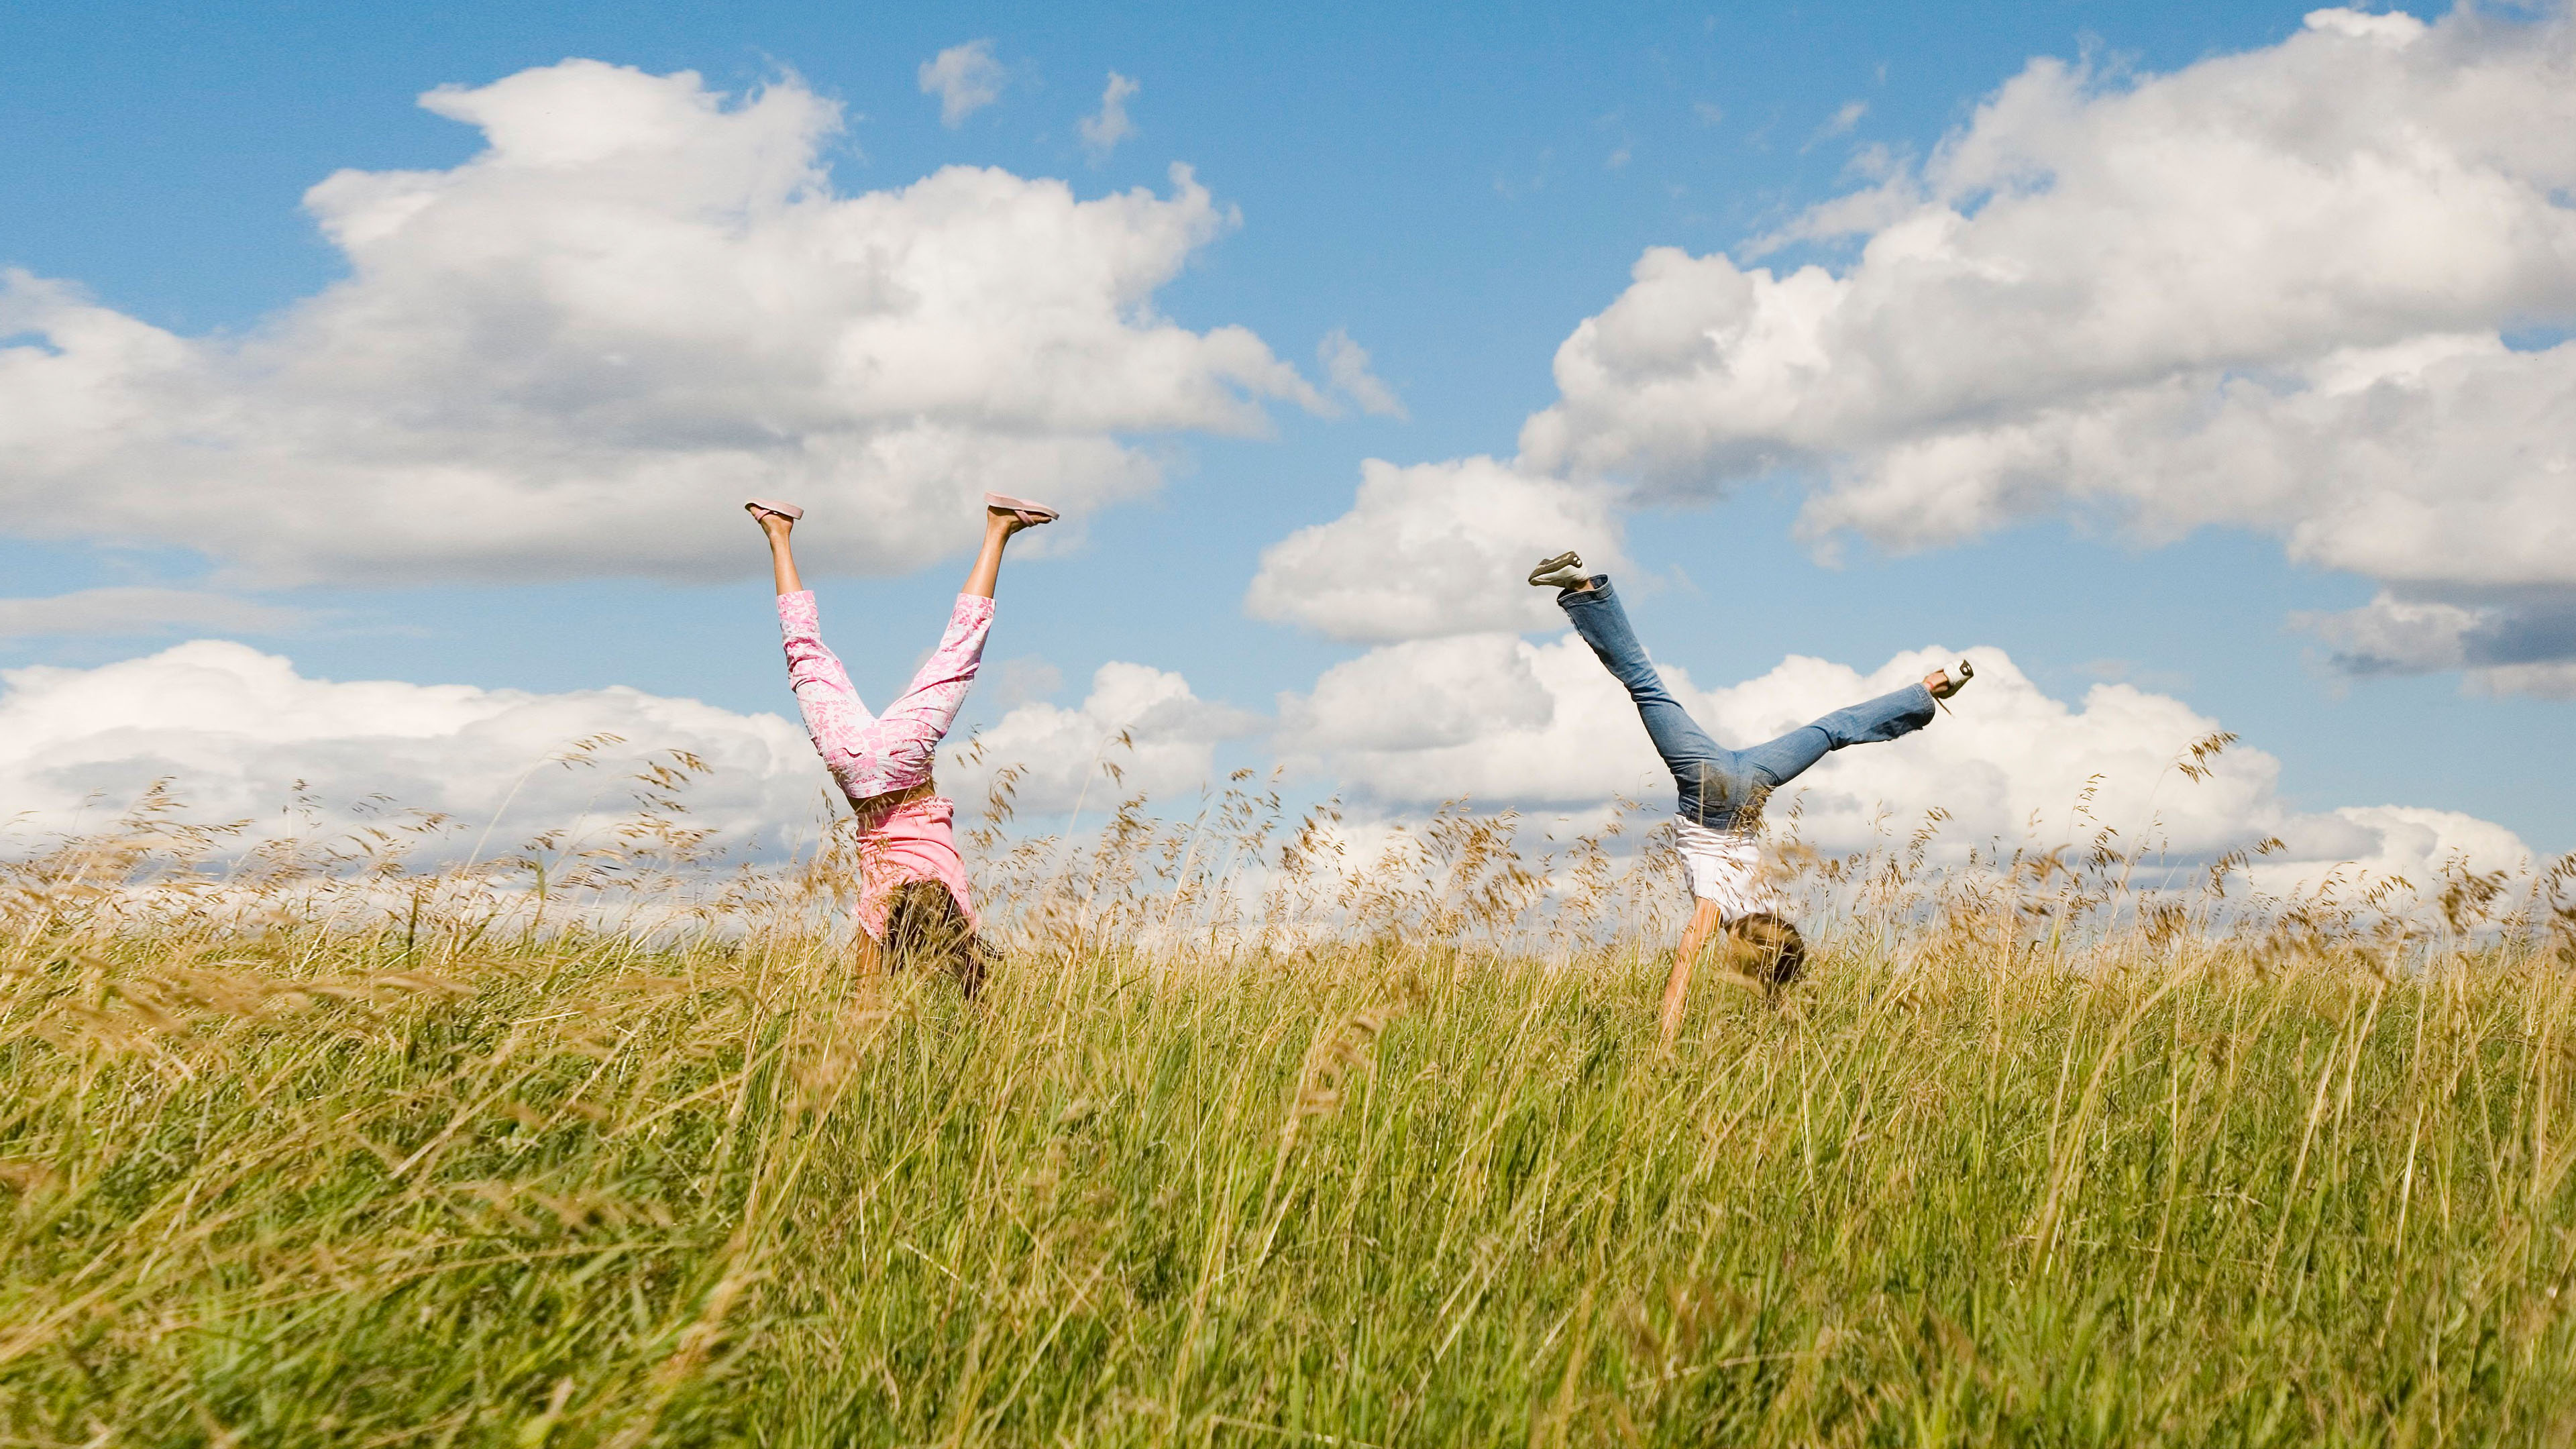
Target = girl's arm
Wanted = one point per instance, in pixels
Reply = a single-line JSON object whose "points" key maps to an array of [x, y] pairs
{"points": [[1703, 924]]}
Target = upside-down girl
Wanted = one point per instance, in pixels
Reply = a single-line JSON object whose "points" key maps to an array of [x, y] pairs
{"points": [[1722, 790], [914, 903]]}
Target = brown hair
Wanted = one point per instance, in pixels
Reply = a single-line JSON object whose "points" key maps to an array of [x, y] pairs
{"points": [[1779, 952], [924, 927]]}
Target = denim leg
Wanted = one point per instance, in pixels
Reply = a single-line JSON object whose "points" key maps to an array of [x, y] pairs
{"points": [[1884, 718], [1701, 769]]}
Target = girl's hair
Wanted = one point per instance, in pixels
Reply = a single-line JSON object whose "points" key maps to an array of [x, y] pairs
{"points": [[925, 928], [1779, 952]]}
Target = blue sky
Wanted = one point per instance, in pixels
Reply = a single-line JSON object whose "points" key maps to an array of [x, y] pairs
{"points": [[1456, 187]]}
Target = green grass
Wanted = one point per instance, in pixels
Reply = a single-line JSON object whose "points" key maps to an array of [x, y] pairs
{"points": [[402, 1187]]}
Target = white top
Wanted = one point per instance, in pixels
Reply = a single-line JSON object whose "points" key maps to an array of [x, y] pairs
{"points": [[1725, 868]]}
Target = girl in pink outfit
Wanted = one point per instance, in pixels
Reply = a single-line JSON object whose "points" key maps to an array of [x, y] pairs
{"points": [[913, 897]]}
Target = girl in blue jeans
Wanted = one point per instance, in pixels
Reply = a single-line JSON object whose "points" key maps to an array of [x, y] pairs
{"points": [[1722, 790]]}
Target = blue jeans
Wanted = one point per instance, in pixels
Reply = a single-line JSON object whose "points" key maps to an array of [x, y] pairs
{"points": [[1721, 788]]}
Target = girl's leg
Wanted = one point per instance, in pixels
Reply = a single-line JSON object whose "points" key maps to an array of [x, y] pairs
{"points": [[835, 718], [1703, 770], [782, 557], [1885, 718], [908, 733], [999, 525], [906, 737]]}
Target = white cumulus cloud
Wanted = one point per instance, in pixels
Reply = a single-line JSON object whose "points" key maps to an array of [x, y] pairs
{"points": [[1437, 548], [130, 609], [966, 78], [1346, 367], [1503, 721], [2357, 845], [575, 352], [2516, 642], [241, 733], [1143, 724], [1491, 717], [1845, 117], [1105, 128], [2292, 289]]}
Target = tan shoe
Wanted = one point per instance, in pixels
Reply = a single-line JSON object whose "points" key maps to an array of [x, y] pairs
{"points": [[1565, 571], [1031, 514]]}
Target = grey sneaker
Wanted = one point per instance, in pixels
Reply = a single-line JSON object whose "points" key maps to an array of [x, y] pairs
{"points": [[1565, 571]]}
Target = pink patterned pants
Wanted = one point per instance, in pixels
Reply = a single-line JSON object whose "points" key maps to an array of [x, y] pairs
{"points": [[870, 754]]}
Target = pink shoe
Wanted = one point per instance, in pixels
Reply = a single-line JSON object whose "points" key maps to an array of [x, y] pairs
{"points": [[759, 506], [1030, 513]]}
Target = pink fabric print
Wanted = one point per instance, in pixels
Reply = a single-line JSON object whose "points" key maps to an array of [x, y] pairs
{"points": [[873, 754], [870, 754]]}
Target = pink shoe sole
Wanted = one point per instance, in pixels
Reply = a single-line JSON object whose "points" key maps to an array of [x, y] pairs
{"points": [[760, 506], [1032, 513]]}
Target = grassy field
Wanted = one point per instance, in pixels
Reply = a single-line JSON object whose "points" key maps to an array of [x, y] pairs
{"points": [[427, 1177]]}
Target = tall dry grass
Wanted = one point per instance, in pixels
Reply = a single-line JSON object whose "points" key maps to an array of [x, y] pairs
{"points": [[1248, 1142]]}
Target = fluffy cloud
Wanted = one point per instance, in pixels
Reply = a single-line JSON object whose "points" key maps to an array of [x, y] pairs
{"points": [[1105, 128], [1065, 756], [966, 79], [2269, 290], [1845, 117], [1490, 717], [242, 734], [1346, 366], [134, 610], [2516, 646], [2357, 844], [576, 351], [1439, 548], [1500, 720]]}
